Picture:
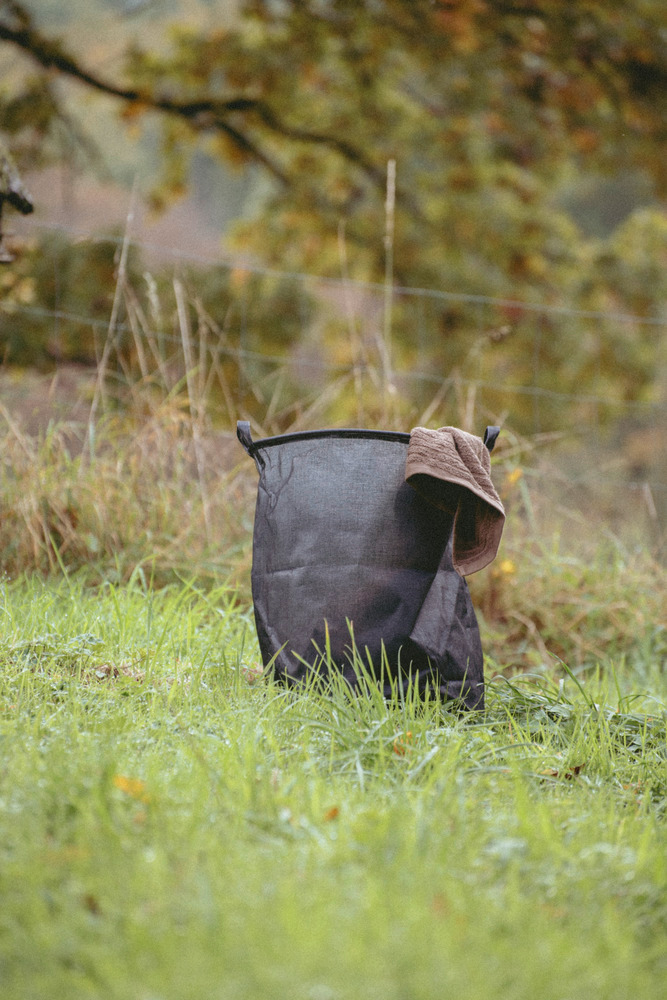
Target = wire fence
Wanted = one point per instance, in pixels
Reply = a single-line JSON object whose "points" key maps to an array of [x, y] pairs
{"points": [[292, 350]]}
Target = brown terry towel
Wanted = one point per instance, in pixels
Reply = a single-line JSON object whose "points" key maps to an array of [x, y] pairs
{"points": [[451, 469]]}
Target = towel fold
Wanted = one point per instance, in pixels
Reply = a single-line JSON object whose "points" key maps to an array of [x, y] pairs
{"points": [[451, 469]]}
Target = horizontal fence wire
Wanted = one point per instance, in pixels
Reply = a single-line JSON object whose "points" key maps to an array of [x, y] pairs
{"points": [[328, 367], [254, 363], [231, 261]]}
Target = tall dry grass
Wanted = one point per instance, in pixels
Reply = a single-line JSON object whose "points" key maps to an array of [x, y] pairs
{"points": [[140, 498], [150, 495], [153, 481]]}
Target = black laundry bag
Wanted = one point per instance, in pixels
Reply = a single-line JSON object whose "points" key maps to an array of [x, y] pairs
{"points": [[348, 555]]}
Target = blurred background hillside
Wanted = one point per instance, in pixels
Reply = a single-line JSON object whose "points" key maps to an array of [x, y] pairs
{"points": [[376, 213]]}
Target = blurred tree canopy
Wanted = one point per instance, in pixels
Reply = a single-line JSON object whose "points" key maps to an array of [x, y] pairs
{"points": [[487, 107]]}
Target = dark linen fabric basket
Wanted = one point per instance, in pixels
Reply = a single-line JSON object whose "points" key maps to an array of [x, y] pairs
{"points": [[347, 554]]}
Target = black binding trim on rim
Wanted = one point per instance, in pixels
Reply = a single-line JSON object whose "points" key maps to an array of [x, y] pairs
{"points": [[333, 432]]}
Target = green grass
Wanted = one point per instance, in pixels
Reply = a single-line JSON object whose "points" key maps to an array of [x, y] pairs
{"points": [[143, 499], [174, 827]]}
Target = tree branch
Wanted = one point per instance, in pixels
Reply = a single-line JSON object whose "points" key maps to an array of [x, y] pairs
{"points": [[202, 114]]}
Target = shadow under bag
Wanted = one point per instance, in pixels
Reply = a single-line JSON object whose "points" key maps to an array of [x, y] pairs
{"points": [[350, 562]]}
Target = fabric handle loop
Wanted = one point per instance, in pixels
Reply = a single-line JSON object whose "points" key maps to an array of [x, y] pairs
{"points": [[490, 437], [244, 435]]}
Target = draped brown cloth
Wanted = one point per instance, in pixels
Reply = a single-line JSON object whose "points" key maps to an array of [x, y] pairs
{"points": [[452, 470]]}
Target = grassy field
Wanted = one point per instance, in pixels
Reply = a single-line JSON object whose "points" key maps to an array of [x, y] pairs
{"points": [[173, 826]]}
